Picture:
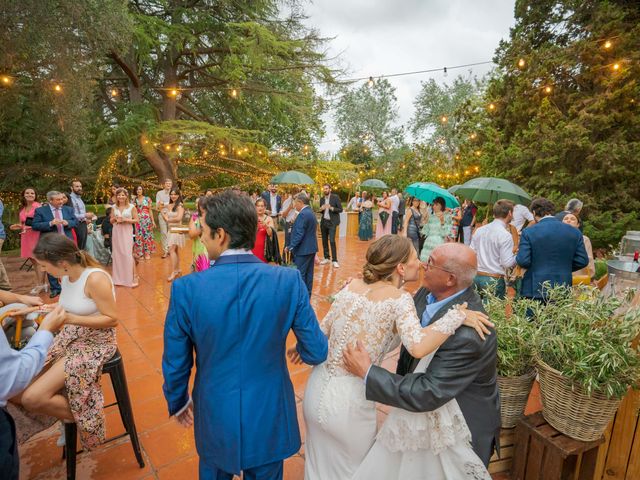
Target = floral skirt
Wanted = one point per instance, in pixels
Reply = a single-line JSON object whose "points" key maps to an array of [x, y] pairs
{"points": [[143, 243], [84, 351]]}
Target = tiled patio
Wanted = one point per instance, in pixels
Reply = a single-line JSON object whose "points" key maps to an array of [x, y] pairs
{"points": [[168, 449]]}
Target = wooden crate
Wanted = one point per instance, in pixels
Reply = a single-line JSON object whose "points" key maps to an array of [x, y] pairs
{"points": [[503, 464], [543, 453]]}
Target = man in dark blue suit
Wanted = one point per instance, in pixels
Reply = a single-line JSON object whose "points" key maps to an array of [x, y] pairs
{"points": [[304, 239], [54, 217], [550, 251], [243, 407]]}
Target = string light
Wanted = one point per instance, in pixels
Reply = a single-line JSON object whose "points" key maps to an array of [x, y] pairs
{"points": [[444, 119], [114, 92], [173, 92], [6, 80], [616, 67], [521, 63], [473, 136], [608, 44], [57, 88], [547, 89], [167, 147], [234, 93], [492, 106], [370, 82]]}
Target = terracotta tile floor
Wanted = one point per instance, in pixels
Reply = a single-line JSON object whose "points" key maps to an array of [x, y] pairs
{"points": [[168, 449]]}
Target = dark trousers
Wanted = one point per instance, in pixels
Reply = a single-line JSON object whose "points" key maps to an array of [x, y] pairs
{"points": [[9, 460], [287, 232], [394, 222], [81, 234], [328, 231], [270, 471], [54, 284], [305, 264]]}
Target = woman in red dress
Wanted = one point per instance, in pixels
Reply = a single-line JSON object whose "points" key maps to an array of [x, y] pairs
{"points": [[265, 228], [29, 237]]}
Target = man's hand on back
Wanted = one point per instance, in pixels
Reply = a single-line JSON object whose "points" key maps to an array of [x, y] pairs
{"points": [[356, 359]]}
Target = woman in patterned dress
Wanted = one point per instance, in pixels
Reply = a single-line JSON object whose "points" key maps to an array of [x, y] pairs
{"points": [[69, 387], [365, 227], [436, 229], [144, 244]]}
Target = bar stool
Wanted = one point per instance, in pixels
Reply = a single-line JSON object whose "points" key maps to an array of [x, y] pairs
{"points": [[115, 368]]}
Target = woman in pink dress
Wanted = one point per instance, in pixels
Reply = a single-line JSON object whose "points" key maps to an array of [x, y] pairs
{"points": [[265, 225], [29, 237], [383, 225], [123, 217]]}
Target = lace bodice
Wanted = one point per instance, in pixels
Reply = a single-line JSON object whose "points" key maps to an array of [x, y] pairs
{"points": [[377, 324]]}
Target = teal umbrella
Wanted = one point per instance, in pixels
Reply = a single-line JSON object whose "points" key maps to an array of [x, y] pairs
{"points": [[374, 183], [293, 177], [427, 192], [490, 190]]}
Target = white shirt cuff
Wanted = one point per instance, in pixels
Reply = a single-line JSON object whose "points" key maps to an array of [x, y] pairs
{"points": [[367, 374], [182, 410]]}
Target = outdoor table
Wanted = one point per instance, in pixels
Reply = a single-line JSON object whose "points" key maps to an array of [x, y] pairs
{"points": [[352, 224]]}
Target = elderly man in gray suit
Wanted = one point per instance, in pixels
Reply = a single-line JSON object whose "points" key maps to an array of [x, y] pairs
{"points": [[464, 367]]}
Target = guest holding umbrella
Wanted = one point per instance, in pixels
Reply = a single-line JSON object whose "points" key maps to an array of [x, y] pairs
{"points": [[437, 228], [28, 236], [123, 217]]}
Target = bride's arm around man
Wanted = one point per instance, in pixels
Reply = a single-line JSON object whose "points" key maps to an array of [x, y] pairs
{"points": [[463, 368]]}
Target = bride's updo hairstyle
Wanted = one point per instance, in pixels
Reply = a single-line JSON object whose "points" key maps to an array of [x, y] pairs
{"points": [[384, 255]]}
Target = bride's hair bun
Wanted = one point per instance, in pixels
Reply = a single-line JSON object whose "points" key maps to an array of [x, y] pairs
{"points": [[384, 255]]}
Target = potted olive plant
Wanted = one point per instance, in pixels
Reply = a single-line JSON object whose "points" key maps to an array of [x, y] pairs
{"points": [[516, 371], [586, 358]]}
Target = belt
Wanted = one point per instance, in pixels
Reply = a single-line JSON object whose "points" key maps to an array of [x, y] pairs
{"points": [[492, 275]]}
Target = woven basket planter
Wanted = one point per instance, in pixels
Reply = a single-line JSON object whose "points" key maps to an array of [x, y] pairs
{"points": [[569, 410], [514, 394]]}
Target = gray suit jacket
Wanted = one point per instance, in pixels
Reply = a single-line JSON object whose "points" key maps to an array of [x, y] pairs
{"points": [[464, 368]]}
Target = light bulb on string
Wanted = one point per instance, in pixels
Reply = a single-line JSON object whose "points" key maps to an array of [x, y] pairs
{"points": [[521, 63], [492, 106], [445, 71], [615, 67], [607, 45], [114, 92], [444, 119], [547, 89], [173, 92], [6, 80], [234, 93], [370, 82], [57, 88]]}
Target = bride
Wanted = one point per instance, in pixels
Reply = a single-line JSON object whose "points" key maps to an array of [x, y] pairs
{"points": [[341, 423]]}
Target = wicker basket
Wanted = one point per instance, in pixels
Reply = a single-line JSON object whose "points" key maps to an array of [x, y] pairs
{"points": [[514, 394], [569, 410]]}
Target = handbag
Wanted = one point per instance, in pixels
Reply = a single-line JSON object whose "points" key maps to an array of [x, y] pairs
{"points": [[29, 221], [384, 216]]}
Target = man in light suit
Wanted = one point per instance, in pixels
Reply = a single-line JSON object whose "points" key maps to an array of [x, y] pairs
{"points": [[464, 367], [330, 208], [54, 218], [242, 406], [304, 240], [550, 251]]}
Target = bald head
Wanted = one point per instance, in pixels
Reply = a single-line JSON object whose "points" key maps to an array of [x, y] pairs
{"points": [[458, 259]]}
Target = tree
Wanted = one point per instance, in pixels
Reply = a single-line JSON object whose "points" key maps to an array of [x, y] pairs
{"points": [[566, 114], [365, 121]]}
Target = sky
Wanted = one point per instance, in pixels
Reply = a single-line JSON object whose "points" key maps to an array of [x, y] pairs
{"points": [[379, 37]]}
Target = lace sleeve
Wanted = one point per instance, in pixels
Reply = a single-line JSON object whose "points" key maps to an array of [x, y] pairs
{"points": [[327, 321], [449, 323], [408, 323]]}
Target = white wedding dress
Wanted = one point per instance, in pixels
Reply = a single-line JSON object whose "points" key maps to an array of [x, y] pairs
{"points": [[341, 441]]}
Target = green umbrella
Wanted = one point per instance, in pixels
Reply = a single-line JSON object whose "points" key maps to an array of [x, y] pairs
{"points": [[293, 177], [374, 183], [453, 189], [490, 190], [427, 192]]}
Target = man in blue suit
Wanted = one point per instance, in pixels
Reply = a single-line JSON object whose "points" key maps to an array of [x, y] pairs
{"points": [[304, 239], [243, 406], [54, 217], [550, 251]]}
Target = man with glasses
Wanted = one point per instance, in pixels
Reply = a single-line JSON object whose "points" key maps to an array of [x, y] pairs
{"points": [[463, 368]]}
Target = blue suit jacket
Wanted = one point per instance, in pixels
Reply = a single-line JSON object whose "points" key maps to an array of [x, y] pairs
{"points": [[244, 405], [550, 250], [266, 196], [304, 236], [43, 215]]}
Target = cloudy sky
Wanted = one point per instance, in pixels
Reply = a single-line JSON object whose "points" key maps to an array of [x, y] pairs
{"points": [[378, 37]]}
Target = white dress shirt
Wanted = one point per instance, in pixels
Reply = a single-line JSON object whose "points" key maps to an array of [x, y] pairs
{"points": [[274, 204], [521, 214], [395, 203], [326, 215], [493, 245]]}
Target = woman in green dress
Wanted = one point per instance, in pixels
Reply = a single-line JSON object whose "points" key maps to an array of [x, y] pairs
{"points": [[200, 256], [365, 230], [437, 229]]}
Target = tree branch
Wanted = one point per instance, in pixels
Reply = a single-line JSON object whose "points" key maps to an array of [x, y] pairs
{"points": [[126, 69]]}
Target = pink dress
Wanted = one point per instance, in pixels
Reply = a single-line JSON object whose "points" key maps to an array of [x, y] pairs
{"points": [[122, 248], [29, 237]]}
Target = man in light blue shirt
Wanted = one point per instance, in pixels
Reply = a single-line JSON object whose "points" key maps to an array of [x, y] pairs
{"points": [[17, 370]]}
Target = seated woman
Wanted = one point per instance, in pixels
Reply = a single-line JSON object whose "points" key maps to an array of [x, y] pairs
{"points": [[69, 387]]}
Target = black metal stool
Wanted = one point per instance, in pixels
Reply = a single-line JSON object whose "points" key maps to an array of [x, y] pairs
{"points": [[115, 368]]}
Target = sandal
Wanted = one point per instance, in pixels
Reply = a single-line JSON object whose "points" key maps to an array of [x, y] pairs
{"points": [[174, 275], [136, 281]]}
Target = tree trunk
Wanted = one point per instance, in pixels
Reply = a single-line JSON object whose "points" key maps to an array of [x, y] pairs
{"points": [[161, 163]]}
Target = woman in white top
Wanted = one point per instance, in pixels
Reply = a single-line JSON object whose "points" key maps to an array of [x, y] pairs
{"points": [[341, 422], [123, 216], [69, 387], [172, 215]]}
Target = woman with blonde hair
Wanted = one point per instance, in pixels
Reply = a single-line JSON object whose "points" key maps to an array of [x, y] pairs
{"points": [[69, 387], [123, 217], [377, 312]]}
